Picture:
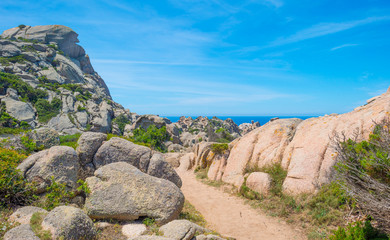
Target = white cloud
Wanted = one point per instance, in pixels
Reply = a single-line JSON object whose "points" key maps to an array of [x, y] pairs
{"points": [[323, 29], [344, 46]]}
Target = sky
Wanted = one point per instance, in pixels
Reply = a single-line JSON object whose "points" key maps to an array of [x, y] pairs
{"points": [[227, 58]]}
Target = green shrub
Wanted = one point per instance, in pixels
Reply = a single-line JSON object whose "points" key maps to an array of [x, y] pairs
{"points": [[14, 189], [21, 26], [29, 144], [47, 110], [364, 169], [56, 194], [278, 175], [70, 140], [153, 136], [358, 231], [219, 148], [16, 59], [27, 92], [121, 121]]}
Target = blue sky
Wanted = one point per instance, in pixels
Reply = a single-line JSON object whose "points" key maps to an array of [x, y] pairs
{"points": [[215, 57]]}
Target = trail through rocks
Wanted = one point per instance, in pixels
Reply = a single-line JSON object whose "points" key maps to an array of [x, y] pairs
{"points": [[231, 217]]}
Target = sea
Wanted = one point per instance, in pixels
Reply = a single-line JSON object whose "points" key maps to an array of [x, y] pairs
{"points": [[243, 119]]}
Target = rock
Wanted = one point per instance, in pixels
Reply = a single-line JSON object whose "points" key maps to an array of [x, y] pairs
{"points": [[208, 237], [45, 137], [158, 167], [134, 229], [102, 225], [121, 150], [88, 144], [145, 121], [59, 162], [261, 147], [121, 191], [52, 75], [69, 223], [259, 182], [62, 123], [20, 110], [181, 230], [150, 238], [7, 49], [173, 158], [24, 214], [187, 161], [175, 148], [21, 232]]}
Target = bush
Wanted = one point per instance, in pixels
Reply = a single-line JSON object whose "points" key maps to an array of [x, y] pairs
{"points": [[70, 140], [364, 169], [358, 231], [47, 110], [21, 26], [121, 121], [278, 175], [27, 92], [14, 189], [56, 194], [16, 59], [153, 136], [219, 148]]}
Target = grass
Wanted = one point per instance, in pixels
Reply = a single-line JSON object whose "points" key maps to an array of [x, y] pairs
{"points": [[70, 140], [5, 226], [36, 225], [190, 213], [111, 232]]}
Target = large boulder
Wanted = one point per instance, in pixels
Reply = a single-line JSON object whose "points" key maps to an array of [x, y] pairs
{"points": [[181, 230], [21, 232], [20, 110], [46, 137], [59, 162], [88, 144], [24, 214], [158, 167], [67, 222], [121, 150], [121, 191], [261, 147]]}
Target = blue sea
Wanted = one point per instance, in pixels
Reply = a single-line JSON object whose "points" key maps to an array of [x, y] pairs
{"points": [[243, 119]]}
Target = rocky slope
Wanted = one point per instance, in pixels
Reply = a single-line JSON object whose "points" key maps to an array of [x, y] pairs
{"points": [[49, 59], [303, 148]]}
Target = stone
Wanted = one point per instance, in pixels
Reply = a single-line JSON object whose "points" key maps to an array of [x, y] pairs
{"points": [[52, 75], [187, 161], [7, 49], [62, 123], [261, 147], [173, 158], [69, 223], [259, 182], [46, 137], [21, 232], [20, 110], [151, 238], [59, 162], [88, 144], [121, 150], [144, 121], [158, 167], [181, 230], [175, 148], [24, 214], [121, 191], [208, 237], [134, 229]]}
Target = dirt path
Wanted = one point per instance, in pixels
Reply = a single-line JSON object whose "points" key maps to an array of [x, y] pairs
{"points": [[230, 216]]}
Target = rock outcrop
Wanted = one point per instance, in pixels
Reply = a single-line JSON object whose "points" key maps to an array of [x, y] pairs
{"points": [[121, 191], [303, 148], [48, 58]]}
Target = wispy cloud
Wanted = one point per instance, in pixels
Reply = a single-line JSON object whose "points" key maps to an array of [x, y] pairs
{"points": [[344, 46], [323, 29], [275, 3]]}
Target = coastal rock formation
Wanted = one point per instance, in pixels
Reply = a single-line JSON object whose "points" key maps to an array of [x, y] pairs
{"points": [[303, 148]]}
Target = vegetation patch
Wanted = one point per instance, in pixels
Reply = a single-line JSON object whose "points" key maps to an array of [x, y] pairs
{"points": [[153, 136], [70, 140], [14, 189], [36, 225], [121, 121], [358, 230], [219, 148], [5, 61], [27, 93], [47, 110], [190, 213]]}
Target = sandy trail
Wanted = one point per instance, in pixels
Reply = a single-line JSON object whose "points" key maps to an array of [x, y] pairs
{"points": [[230, 216]]}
